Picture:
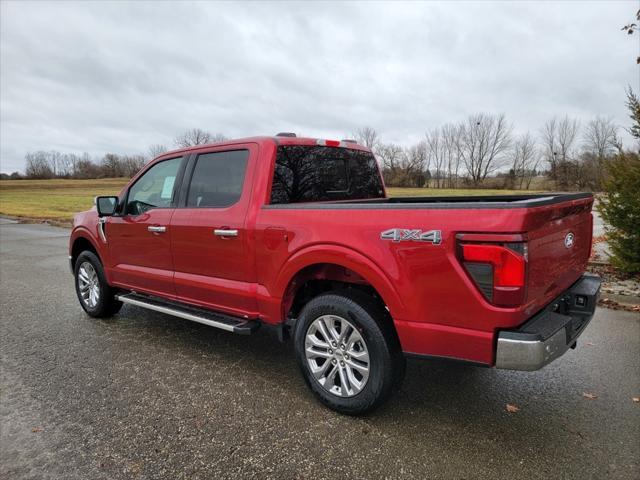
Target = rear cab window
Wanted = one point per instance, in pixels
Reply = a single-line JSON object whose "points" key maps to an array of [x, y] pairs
{"points": [[317, 173]]}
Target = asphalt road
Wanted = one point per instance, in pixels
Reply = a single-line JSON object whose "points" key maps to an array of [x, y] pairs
{"points": [[149, 396]]}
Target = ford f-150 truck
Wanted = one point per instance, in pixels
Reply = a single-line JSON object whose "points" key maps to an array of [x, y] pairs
{"points": [[299, 234]]}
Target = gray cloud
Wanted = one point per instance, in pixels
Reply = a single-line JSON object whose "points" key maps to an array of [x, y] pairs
{"points": [[119, 77]]}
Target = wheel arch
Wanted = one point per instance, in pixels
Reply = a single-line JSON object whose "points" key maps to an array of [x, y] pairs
{"points": [[326, 268], [79, 244]]}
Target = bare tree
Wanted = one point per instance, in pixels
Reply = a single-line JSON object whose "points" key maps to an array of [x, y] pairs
{"points": [[72, 164], [437, 153], [415, 164], [443, 149], [451, 138], [390, 157], [196, 136], [131, 164], [37, 165], [156, 150], [218, 137], [54, 158], [559, 138], [568, 129], [368, 137], [525, 159], [601, 137], [549, 135], [485, 139], [86, 168]]}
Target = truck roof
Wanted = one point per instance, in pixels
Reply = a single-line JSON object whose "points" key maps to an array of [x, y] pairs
{"points": [[278, 140]]}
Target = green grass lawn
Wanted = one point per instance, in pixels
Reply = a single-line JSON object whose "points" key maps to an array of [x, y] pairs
{"points": [[54, 200], [58, 200]]}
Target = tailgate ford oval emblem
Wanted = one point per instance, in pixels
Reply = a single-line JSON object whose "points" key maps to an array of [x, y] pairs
{"points": [[569, 239]]}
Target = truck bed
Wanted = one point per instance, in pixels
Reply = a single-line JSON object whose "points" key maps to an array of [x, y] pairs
{"points": [[447, 202]]}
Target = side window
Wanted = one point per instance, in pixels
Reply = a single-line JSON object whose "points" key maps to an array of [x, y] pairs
{"points": [[217, 179], [155, 188]]}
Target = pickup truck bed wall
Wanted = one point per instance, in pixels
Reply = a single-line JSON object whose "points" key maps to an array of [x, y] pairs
{"points": [[446, 202]]}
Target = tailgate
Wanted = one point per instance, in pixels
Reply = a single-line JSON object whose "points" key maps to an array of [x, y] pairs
{"points": [[559, 247]]}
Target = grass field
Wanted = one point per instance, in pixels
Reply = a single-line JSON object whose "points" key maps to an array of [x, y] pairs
{"points": [[58, 200], [54, 200]]}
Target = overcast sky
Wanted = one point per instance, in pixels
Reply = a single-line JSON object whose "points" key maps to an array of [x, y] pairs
{"points": [[115, 77]]}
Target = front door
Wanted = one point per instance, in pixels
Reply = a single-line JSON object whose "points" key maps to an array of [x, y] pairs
{"points": [[140, 238], [212, 256]]}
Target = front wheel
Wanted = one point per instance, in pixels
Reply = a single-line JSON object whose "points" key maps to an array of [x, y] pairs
{"points": [[96, 297], [348, 351]]}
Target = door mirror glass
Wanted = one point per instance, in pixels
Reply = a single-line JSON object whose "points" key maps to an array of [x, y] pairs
{"points": [[106, 206]]}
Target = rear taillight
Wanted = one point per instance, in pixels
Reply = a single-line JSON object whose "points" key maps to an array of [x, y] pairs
{"points": [[499, 270]]}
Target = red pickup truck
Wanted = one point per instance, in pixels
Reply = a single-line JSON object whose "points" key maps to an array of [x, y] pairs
{"points": [[299, 234]]}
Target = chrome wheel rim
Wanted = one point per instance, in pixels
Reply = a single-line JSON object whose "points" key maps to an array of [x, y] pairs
{"points": [[89, 285], [337, 355]]}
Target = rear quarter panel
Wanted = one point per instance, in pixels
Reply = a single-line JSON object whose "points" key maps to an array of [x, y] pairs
{"points": [[435, 307]]}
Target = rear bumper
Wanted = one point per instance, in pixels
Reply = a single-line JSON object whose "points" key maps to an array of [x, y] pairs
{"points": [[550, 333]]}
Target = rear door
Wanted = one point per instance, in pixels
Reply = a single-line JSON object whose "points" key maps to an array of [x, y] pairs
{"points": [[213, 261], [139, 239]]}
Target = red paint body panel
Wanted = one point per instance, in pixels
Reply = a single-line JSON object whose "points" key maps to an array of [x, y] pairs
{"points": [[140, 259], [436, 307], [217, 272]]}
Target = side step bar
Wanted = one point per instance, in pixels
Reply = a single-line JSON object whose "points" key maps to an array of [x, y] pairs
{"points": [[213, 319]]}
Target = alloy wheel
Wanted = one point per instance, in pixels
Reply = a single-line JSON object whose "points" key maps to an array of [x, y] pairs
{"points": [[337, 355], [89, 285]]}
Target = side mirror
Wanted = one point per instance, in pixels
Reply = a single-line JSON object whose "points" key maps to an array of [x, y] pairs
{"points": [[106, 206]]}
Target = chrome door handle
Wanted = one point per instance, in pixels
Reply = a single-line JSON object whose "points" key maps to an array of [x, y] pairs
{"points": [[157, 229], [219, 232]]}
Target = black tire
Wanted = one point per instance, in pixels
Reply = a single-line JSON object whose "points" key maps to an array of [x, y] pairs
{"points": [[106, 305], [373, 322]]}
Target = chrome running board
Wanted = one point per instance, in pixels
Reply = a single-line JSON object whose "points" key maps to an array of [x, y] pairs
{"points": [[207, 317]]}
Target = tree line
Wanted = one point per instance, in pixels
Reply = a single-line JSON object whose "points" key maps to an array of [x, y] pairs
{"points": [[453, 155], [467, 153], [54, 164]]}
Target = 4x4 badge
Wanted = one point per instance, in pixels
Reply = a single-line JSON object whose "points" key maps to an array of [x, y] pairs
{"points": [[404, 234]]}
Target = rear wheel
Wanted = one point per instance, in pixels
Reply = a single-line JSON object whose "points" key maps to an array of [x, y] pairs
{"points": [[96, 297], [348, 351]]}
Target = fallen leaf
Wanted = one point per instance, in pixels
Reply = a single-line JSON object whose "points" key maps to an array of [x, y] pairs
{"points": [[591, 344], [36, 429], [512, 408], [636, 399], [590, 396]]}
